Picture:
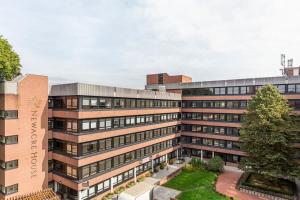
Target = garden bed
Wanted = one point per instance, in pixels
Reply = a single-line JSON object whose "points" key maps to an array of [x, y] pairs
{"points": [[277, 187]]}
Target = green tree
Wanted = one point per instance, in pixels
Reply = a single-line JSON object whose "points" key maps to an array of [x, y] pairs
{"points": [[9, 61], [215, 164], [267, 135]]}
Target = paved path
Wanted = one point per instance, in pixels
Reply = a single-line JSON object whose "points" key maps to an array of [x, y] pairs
{"points": [[226, 185], [164, 193]]}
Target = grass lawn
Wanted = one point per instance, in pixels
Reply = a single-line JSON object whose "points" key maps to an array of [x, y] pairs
{"points": [[195, 184]]}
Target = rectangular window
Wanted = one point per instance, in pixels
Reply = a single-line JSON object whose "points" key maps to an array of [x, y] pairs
{"points": [[11, 189], [85, 125], [9, 164], [85, 171], [281, 88], [8, 114], [108, 123], [291, 88], [9, 139]]}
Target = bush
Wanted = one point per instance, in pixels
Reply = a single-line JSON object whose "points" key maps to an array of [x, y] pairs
{"points": [[130, 184], [171, 162], [148, 174], [196, 162], [162, 165], [108, 196], [216, 164], [156, 169], [141, 178], [119, 190]]}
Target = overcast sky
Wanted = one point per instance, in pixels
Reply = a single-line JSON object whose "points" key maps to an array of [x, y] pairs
{"points": [[118, 42]]}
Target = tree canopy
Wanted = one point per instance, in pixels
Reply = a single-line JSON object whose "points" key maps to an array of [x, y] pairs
{"points": [[268, 135], [9, 61]]}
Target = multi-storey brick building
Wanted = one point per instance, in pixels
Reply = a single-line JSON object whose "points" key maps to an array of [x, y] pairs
{"points": [[212, 111], [85, 140]]}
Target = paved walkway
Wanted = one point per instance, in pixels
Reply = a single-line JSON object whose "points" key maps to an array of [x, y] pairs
{"points": [[226, 185], [164, 193]]}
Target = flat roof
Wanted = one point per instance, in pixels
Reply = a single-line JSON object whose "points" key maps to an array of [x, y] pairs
{"points": [[84, 89], [138, 189], [231, 82]]}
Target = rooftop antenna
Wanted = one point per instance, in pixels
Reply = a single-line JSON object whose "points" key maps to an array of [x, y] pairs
{"points": [[283, 64], [290, 62]]}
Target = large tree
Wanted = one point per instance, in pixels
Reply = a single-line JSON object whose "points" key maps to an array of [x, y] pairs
{"points": [[268, 135], [9, 61]]}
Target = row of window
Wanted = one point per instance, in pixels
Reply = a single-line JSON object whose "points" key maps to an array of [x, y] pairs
{"points": [[9, 189], [112, 142], [8, 114], [208, 154], [220, 130], [113, 162], [103, 186], [238, 90], [213, 117], [88, 125], [210, 142], [82, 102], [9, 164], [116, 180], [9, 139], [238, 104]]}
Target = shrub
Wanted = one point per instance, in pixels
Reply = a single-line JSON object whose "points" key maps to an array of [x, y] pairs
{"points": [[140, 179], [196, 162], [148, 174], [108, 196], [215, 164], [119, 190], [130, 184], [171, 162], [156, 169], [162, 165]]}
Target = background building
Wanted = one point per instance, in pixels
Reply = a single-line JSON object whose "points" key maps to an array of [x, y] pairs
{"points": [[212, 111]]}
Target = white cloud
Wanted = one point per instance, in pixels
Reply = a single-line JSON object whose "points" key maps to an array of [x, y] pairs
{"points": [[117, 42]]}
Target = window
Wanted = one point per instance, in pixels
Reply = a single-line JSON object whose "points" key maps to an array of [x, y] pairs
{"points": [[72, 102], [236, 90], [9, 139], [85, 125], [91, 191], [72, 148], [108, 123], [11, 189], [85, 171], [230, 90], [8, 114], [71, 171], [89, 147], [85, 103], [281, 88], [298, 88], [243, 90], [9, 164], [93, 169], [102, 124], [291, 88], [100, 187]]}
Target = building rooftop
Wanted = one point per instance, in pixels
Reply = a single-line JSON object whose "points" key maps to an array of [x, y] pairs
{"points": [[231, 82], [84, 89]]}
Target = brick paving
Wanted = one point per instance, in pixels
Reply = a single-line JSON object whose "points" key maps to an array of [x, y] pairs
{"points": [[226, 185]]}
